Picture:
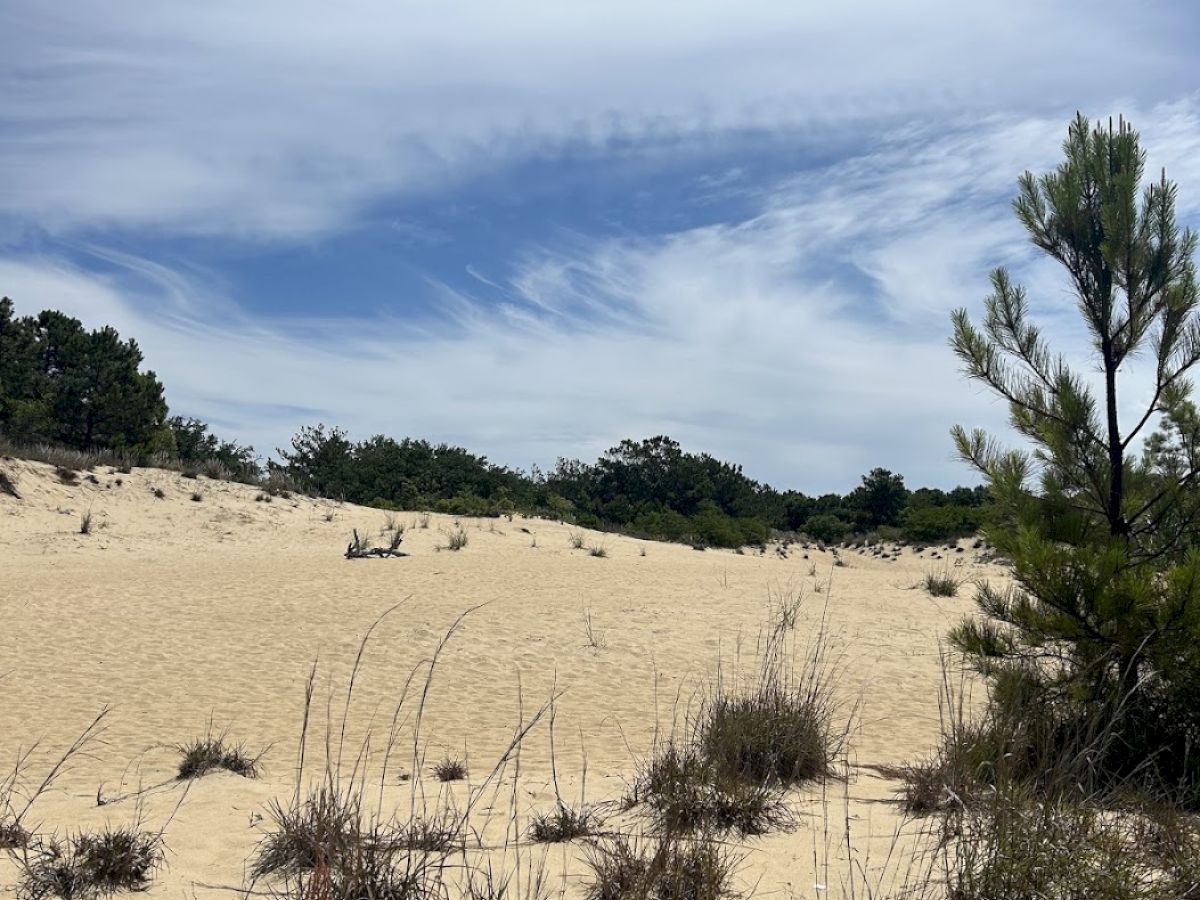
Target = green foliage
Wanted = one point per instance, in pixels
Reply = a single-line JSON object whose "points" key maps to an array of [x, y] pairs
{"points": [[79, 389], [1105, 562], [931, 524], [879, 500], [651, 489], [826, 527], [941, 585], [195, 445]]}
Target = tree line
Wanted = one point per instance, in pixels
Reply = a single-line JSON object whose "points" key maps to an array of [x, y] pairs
{"points": [[63, 385], [651, 488]]}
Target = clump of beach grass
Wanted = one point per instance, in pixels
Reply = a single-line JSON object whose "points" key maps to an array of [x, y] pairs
{"points": [[91, 864], [456, 538], [211, 753], [660, 869], [564, 824], [941, 584], [451, 768]]}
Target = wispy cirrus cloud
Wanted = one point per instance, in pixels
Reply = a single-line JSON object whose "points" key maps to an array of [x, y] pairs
{"points": [[284, 120], [808, 339], [790, 314]]}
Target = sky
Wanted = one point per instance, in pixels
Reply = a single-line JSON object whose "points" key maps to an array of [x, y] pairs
{"points": [[536, 229]]}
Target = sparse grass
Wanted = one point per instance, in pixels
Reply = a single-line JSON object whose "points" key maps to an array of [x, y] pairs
{"points": [[332, 841], [564, 824], [595, 640], [746, 745], [66, 476], [783, 606], [686, 793], [435, 834], [85, 523], [193, 474], [160, 493], [781, 729], [456, 539], [212, 753], [423, 520], [599, 550], [91, 864], [941, 584], [306, 833], [197, 496], [450, 769], [660, 869], [576, 540]]}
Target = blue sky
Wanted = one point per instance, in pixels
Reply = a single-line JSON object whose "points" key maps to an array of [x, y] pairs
{"points": [[536, 229]]}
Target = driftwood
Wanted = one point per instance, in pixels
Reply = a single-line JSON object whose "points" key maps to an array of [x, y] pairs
{"points": [[360, 548]]}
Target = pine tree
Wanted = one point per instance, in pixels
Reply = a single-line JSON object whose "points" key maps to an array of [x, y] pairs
{"points": [[1106, 602]]}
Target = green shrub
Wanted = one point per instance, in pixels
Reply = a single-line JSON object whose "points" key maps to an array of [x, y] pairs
{"points": [[826, 527], [941, 523]]}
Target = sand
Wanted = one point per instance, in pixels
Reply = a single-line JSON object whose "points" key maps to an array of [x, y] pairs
{"points": [[173, 613]]}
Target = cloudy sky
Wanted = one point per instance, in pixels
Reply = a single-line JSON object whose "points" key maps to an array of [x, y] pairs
{"points": [[537, 228]]}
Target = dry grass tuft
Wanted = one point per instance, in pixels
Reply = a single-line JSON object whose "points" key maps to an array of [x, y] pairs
{"points": [[212, 753], [663, 869]]}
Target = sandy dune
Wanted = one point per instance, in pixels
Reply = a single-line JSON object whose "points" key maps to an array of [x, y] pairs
{"points": [[174, 612]]}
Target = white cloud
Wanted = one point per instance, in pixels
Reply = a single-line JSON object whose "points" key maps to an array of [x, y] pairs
{"points": [[281, 119], [807, 339], [733, 338]]}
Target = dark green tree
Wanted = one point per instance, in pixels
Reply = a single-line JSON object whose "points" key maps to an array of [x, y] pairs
{"points": [[880, 499], [195, 444], [1106, 603], [84, 390]]}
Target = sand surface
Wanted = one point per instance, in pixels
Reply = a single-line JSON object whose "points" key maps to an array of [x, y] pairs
{"points": [[173, 613]]}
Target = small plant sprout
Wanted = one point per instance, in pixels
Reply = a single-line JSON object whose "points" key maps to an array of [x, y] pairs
{"points": [[595, 640]]}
